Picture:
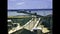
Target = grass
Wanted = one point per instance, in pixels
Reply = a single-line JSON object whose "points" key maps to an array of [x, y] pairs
{"points": [[18, 16], [22, 21], [23, 31]]}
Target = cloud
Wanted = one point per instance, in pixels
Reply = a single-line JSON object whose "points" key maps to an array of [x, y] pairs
{"points": [[20, 3]]}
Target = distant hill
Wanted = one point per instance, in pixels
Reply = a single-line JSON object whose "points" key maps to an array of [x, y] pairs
{"points": [[27, 9]]}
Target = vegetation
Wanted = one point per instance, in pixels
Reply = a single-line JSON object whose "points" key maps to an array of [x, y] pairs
{"points": [[47, 21], [22, 21], [24, 31], [18, 19]]}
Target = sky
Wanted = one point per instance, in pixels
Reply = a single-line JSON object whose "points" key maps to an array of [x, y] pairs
{"points": [[29, 4]]}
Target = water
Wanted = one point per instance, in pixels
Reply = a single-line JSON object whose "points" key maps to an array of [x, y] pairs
{"points": [[43, 13]]}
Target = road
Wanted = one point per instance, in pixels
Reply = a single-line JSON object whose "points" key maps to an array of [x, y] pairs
{"points": [[18, 27], [29, 25], [32, 24]]}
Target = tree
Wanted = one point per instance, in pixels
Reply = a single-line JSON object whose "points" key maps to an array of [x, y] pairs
{"points": [[29, 11], [35, 13]]}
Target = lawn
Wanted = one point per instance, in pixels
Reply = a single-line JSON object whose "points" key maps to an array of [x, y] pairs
{"points": [[22, 21]]}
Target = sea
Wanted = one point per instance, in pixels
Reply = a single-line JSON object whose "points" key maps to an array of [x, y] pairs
{"points": [[42, 12]]}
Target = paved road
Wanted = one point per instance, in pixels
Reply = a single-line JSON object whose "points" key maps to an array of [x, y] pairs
{"points": [[15, 29], [32, 24], [18, 27], [29, 25]]}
